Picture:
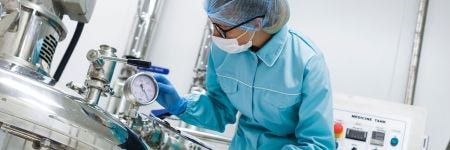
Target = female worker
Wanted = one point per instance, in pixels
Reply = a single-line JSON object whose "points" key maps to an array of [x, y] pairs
{"points": [[275, 77]]}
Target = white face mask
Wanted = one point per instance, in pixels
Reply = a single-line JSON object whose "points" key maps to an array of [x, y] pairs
{"points": [[232, 45]]}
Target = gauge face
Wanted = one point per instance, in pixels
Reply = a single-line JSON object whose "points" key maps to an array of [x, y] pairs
{"points": [[142, 88]]}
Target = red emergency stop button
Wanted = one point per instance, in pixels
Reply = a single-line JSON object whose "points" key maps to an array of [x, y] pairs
{"points": [[338, 129]]}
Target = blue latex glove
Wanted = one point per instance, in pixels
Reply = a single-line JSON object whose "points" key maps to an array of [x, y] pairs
{"points": [[168, 96]]}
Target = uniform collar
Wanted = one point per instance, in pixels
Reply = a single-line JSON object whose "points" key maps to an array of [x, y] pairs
{"points": [[271, 51]]}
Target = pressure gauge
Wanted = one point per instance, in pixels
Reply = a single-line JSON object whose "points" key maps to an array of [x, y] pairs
{"points": [[141, 89]]}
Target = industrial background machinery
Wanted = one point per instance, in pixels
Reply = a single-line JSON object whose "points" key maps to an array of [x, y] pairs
{"points": [[36, 115], [368, 123]]}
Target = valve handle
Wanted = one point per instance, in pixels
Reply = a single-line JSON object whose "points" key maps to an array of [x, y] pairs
{"points": [[139, 63]]}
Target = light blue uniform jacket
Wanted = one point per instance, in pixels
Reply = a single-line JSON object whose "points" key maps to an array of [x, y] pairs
{"points": [[282, 92]]}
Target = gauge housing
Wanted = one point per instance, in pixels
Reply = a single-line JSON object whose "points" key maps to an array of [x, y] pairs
{"points": [[128, 89]]}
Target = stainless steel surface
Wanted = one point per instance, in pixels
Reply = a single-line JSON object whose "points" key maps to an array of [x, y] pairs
{"points": [[93, 94], [116, 59], [417, 48], [31, 39], [50, 17], [7, 20], [142, 33], [206, 136], [157, 133], [31, 112], [31, 29], [79, 10], [77, 88], [173, 138], [114, 100], [108, 66], [144, 27], [98, 76], [34, 115], [132, 97], [117, 104], [7, 65]]}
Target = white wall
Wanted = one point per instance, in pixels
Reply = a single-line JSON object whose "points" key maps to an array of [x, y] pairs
{"points": [[366, 43], [368, 46], [433, 86]]}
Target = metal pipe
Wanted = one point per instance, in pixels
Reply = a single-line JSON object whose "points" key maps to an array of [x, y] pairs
{"points": [[99, 73], [146, 21], [115, 59], [171, 130], [198, 83], [417, 48], [117, 98], [114, 100], [93, 95], [142, 32], [206, 136]]}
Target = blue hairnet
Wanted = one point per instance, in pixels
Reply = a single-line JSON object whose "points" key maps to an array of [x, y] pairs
{"points": [[234, 12]]}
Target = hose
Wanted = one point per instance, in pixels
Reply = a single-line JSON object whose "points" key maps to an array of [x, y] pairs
{"points": [[68, 53]]}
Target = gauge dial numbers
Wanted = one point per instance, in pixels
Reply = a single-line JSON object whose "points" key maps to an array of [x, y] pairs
{"points": [[141, 89]]}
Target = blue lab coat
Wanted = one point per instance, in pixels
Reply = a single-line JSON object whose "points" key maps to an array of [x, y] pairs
{"points": [[282, 93]]}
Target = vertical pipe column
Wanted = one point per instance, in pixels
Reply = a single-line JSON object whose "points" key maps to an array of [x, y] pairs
{"points": [[141, 36], [417, 48]]}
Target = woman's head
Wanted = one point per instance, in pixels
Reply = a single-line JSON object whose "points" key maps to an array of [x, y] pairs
{"points": [[268, 15]]}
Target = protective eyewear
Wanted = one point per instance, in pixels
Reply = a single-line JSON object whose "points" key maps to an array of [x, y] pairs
{"points": [[223, 32]]}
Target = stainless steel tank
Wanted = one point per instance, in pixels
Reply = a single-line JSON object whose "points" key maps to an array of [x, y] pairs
{"points": [[31, 37], [33, 114]]}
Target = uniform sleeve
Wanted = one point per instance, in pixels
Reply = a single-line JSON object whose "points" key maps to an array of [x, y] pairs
{"points": [[314, 130], [212, 110]]}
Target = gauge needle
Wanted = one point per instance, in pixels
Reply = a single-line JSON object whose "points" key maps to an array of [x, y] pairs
{"points": [[142, 87]]}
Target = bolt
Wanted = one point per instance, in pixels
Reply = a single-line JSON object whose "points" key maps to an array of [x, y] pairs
{"points": [[36, 145]]}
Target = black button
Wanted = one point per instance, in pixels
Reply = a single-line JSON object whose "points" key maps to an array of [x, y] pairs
{"points": [[354, 148]]}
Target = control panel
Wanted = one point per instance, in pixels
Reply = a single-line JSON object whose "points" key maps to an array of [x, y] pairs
{"points": [[369, 124]]}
